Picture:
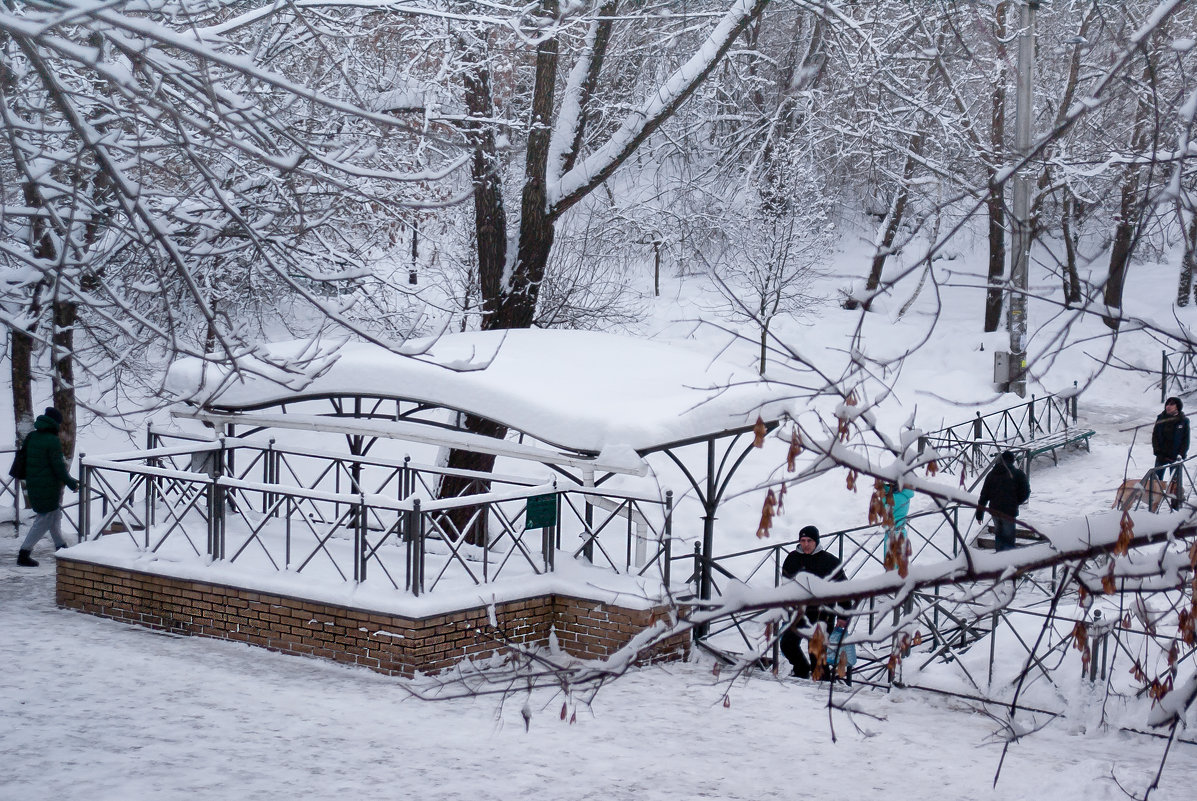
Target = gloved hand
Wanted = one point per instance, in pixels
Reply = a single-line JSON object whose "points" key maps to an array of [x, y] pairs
{"points": [[980, 515]]}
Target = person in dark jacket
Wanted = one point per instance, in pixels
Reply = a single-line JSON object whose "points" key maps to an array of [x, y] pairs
{"points": [[809, 559], [1005, 489], [1170, 443], [45, 476]]}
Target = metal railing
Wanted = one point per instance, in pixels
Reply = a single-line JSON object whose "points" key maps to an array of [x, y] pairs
{"points": [[1178, 373], [973, 444], [859, 549], [349, 519]]}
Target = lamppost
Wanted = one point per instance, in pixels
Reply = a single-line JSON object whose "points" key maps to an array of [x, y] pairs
{"points": [[1020, 253]]}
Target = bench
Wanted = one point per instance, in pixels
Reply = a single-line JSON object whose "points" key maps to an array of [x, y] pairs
{"points": [[1051, 443]]}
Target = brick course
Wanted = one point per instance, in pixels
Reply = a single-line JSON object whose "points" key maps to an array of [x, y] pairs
{"points": [[390, 644]]}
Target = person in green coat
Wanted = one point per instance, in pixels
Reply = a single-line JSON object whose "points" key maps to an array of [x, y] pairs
{"points": [[45, 476]]}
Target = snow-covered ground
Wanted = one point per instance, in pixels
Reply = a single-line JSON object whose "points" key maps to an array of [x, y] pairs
{"points": [[96, 710]]}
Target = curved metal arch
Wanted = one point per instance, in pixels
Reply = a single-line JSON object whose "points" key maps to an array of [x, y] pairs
{"points": [[336, 399]]}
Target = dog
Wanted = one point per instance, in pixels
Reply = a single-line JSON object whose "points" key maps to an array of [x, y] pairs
{"points": [[1132, 491]]}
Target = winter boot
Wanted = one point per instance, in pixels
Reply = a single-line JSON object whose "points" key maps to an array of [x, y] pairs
{"points": [[25, 560]]}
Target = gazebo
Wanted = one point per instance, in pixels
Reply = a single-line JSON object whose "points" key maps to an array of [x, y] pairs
{"points": [[592, 408]]}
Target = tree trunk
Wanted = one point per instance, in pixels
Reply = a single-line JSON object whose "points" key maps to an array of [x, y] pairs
{"points": [[1072, 280], [22, 345], [1124, 237], [21, 358], [893, 220], [508, 300], [1187, 262], [462, 520], [490, 215], [66, 313], [995, 203]]}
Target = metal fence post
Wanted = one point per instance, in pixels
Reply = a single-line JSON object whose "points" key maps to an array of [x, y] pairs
{"points": [[992, 645], [1093, 645], [213, 514], [359, 541], [1163, 376], [415, 548], [270, 471], [978, 426], [84, 497], [668, 536]]}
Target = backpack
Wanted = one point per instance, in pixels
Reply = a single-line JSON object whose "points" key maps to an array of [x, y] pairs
{"points": [[19, 460], [1024, 488]]}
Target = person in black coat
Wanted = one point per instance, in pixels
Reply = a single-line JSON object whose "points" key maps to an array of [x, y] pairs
{"points": [[1170, 435], [1005, 489], [45, 476], [1170, 442], [809, 559]]}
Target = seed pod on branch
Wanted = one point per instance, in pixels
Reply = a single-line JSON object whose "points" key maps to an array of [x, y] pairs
{"points": [[932, 468], [852, 476], [758, 433], [877, 504], [1126, 535], [795, 450], [767, 511], [1080, 636], [1108, 586], [818, 653], [897, 555]]}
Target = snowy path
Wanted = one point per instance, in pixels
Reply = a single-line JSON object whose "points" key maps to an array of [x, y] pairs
{"points": [[97, 710]]}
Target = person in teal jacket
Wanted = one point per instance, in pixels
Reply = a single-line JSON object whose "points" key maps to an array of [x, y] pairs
{"points": [[899, 501], [45, 476]]}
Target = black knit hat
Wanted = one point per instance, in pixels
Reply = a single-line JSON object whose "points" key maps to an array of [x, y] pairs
{"points": [[1175, 401], [809, 531], [53, 414]]}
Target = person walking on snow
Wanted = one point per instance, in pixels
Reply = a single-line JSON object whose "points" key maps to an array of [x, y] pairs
{"points": [[809, 559], [1005, 489], [45, 476]]}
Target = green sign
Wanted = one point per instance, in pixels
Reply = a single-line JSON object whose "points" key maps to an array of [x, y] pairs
{"points": [[542, 511]]}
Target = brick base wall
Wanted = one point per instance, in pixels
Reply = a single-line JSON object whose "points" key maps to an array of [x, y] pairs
{"points": [[387, 643]]}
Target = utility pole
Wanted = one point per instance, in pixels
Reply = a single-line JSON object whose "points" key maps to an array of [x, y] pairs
{"points": [[1020, 253]]}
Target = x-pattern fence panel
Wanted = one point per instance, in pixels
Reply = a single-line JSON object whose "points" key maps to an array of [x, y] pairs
{"points": [[286, 510], [952, 622], [12, 492], [1162, 488], [970, 446]]}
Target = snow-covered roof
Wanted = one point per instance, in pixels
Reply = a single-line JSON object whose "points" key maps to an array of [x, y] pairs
{"points": [[583, 391]]}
